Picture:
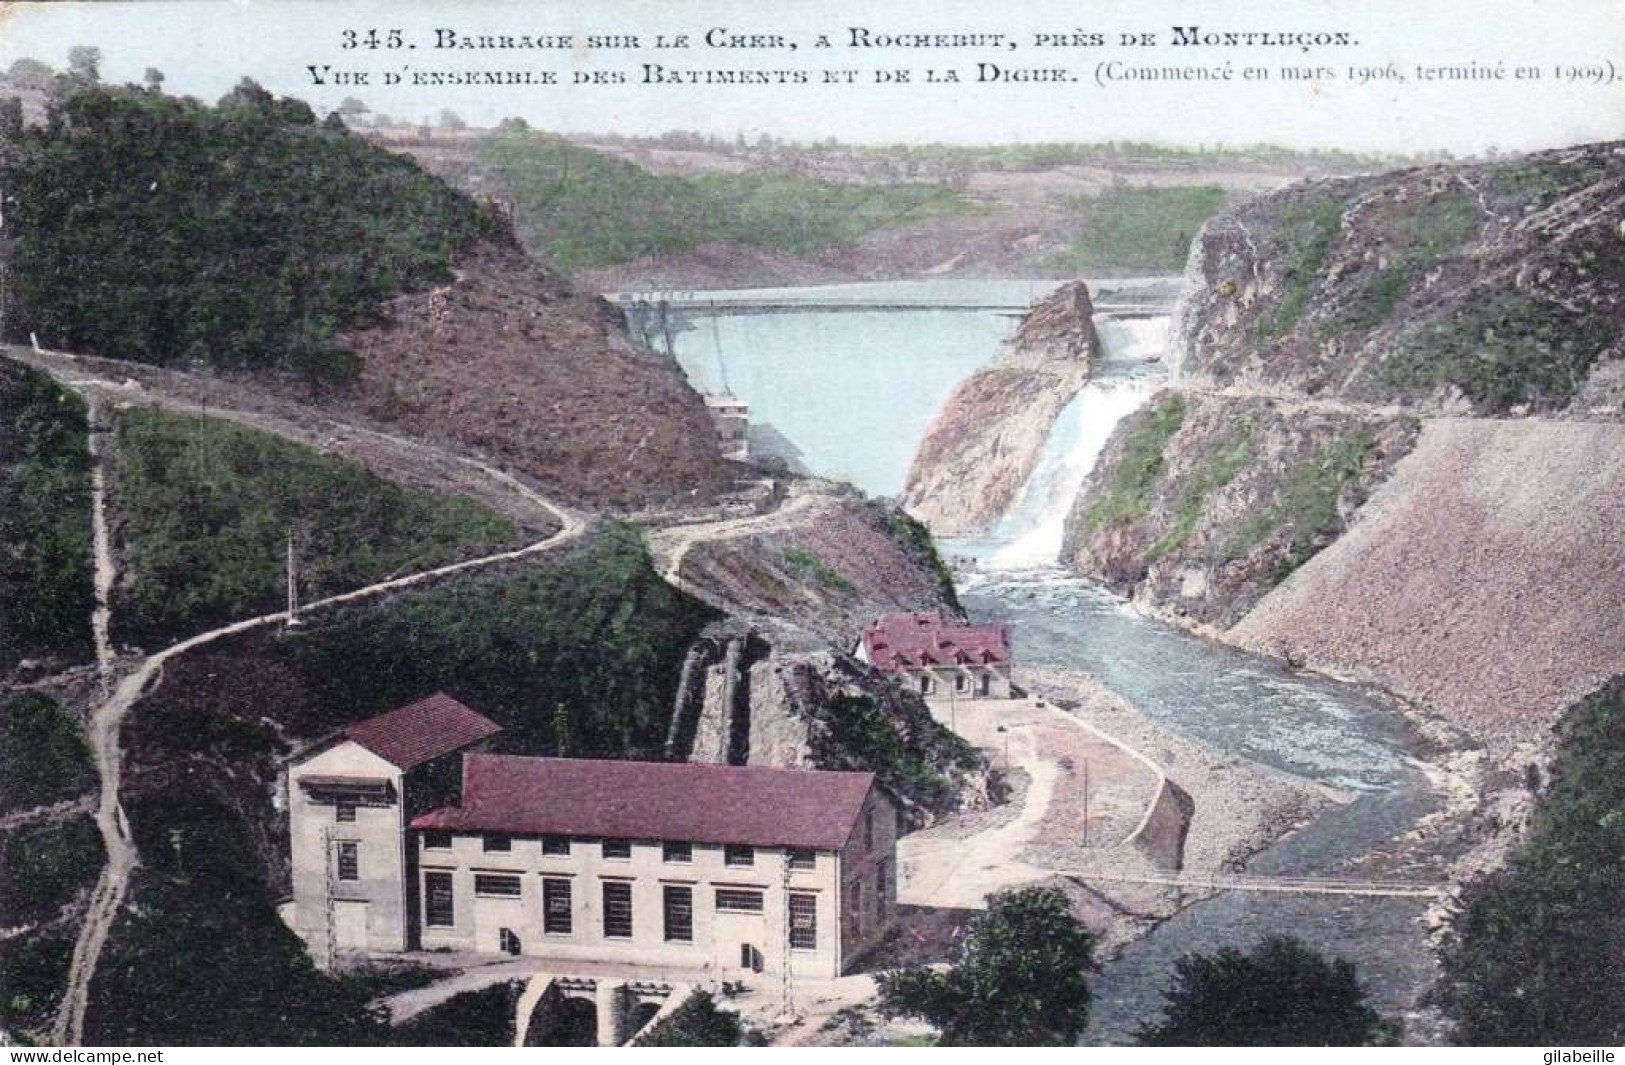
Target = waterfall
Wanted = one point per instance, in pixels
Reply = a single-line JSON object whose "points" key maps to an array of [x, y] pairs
{"points": [[1032, 529]]}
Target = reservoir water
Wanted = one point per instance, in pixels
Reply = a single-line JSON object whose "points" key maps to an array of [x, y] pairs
{"points": [[855, 392]]}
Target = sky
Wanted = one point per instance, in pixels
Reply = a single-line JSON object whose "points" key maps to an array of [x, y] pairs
{"points": [[204, 46]]}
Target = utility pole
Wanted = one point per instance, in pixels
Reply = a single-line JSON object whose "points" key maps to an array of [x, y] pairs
{"points": [[331, 953], [1086, 802], [785, 992], [293, 586]]}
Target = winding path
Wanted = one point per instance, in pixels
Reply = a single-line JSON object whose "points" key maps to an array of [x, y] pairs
{"points": [[672, 544], [115, 699]]}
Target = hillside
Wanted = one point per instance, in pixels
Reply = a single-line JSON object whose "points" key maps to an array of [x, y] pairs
{"points": [[687, 212], [987, 438], [1315, 484], [249, 241], [45, 581], [1490, 288]]}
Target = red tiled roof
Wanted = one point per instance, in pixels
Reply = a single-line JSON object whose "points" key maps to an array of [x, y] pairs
{"points": [[900, 641], [422, 731], [761, 806]]}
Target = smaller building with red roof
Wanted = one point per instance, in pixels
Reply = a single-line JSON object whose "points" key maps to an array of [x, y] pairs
{"points": [[941, 657]]}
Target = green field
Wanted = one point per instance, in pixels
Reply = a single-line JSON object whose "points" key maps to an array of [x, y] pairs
{"points": [[1139, 228], [205, 508], [583, 208]]}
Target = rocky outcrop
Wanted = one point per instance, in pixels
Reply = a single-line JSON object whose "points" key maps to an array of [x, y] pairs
{"points": [[988, 437], [826, 710], [1492, 288], [1201, 504], [1392, 447], [829, 572]]}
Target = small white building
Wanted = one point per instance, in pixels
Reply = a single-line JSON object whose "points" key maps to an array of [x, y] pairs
{"points": [[730, 416], [939, 657], [719, 871]]}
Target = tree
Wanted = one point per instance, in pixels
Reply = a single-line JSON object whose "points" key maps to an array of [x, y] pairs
{"points": [[28, 73], [1021, 978], [696, 1023], [450, 119], [1533, 954], [351, 109], [85, 63], [153, 79], [11, 119], [1282, 994]]}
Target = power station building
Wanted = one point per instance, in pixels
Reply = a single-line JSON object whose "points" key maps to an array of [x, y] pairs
{"points": [[717, 870]]}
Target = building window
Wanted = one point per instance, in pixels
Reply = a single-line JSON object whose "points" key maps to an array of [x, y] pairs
{"points": [[983, 684], [679, 907], [619, 849], [855, 904], [677, 851], [800, 859], [508, 942], [869, 829], [737, 900], [437, 841], [961, 682], [803, 921], [882, 877], [498, 843], [557, 918], [439, 900], [556, 846], [736, 854], [344, 811], [617, 909], [347, 857], [497, 885]]}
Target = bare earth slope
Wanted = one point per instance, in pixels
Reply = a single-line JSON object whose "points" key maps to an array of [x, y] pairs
{"points": [[1486, 578], [1310, 487], [509, 361], [983, 445]]}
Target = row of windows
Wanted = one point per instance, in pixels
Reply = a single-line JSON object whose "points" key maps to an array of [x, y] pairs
{"points": [[675, 851], [558, 914], [962, 683]]}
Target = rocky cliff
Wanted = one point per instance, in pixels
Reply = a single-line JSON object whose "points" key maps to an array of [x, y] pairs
{"points": [[1391, 446], [988, 437]]}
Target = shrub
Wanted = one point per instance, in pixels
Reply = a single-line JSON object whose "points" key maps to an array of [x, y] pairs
{"points": [[1280, 994], [696, 1023], [483, 1018], [1021, 978]]}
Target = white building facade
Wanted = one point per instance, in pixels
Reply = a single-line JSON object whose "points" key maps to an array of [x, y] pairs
{"points": [[714, 872]]}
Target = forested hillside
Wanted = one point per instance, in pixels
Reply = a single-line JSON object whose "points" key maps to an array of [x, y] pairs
{"points": [[245, 235]]}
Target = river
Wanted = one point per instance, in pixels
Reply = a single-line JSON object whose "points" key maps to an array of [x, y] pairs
{"points": [[1253, 708]]}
